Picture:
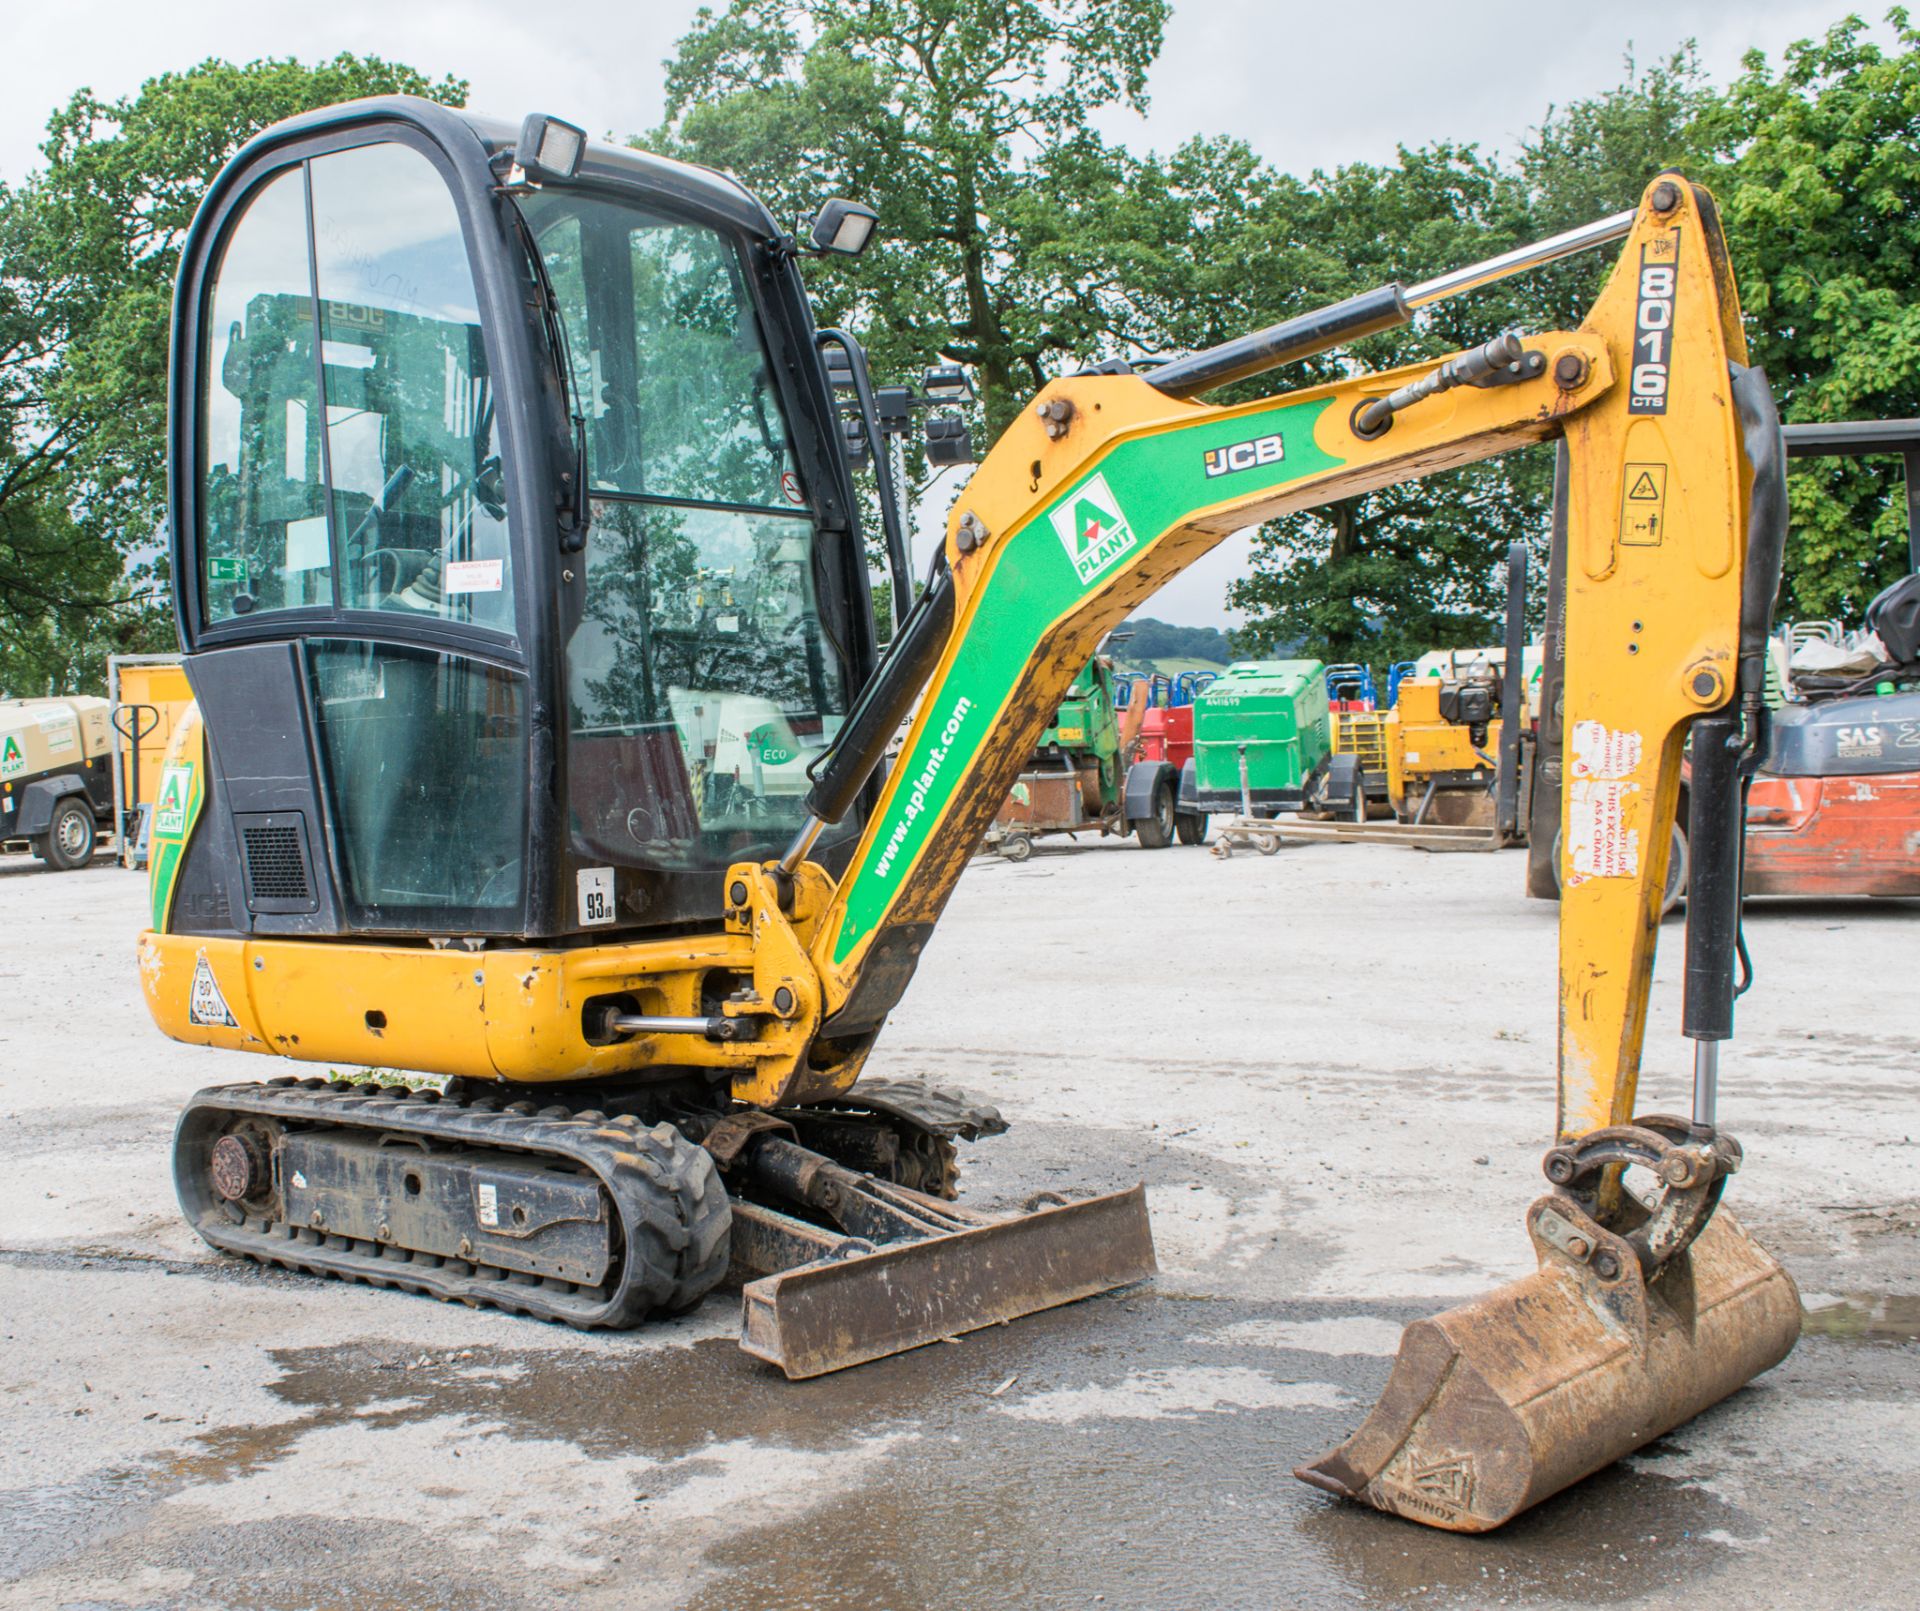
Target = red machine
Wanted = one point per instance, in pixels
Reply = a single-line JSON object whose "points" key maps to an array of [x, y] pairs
{"points": [[1835, 810]]}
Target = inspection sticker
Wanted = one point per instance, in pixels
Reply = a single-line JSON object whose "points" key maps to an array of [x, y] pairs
{"points": [[596, 896], [205, 1004], [1643, 508], [1601, 842]]}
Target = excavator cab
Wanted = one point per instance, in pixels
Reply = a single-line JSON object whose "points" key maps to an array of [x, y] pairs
{"points": [[516, 511]]}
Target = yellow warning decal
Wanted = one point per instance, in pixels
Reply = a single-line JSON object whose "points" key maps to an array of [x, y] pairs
{"points": [[1643, 509]]}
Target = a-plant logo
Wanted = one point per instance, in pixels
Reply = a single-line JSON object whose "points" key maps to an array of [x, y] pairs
{"points": [[1092, 528], [170, 810]]}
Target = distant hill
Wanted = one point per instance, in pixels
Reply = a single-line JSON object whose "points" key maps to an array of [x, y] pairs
{"points": [[1155, 643]]}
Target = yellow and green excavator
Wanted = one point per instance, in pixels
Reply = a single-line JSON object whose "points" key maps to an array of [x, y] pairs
{"points": [[539, 743]]}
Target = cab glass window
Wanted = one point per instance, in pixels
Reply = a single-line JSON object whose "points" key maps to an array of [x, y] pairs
{"points": [[701, 679], [424, 756], [349, 453], [418, 506], [667, 358], [263, 487]]}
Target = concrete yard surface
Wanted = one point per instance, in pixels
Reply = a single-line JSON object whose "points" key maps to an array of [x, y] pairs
{"points": [[1333, 1068]]}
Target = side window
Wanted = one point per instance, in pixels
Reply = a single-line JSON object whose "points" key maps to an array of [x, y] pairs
{"points": [[349, 456], [425, 759], [263, 488], [419, 508]]}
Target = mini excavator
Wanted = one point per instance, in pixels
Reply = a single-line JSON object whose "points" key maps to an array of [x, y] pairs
{"points": [[539, 741]]}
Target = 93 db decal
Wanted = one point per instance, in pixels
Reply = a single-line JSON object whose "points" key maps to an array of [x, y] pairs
{"points": [[1653, 325]]}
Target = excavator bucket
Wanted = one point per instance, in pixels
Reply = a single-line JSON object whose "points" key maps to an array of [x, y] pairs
{"points": [[1501, 1402]]}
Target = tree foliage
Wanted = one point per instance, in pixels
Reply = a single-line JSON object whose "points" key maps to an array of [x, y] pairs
{"points": [[89, 246]]}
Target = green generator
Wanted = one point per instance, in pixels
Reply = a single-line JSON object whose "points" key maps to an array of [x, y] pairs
{"points": [[1272, 712]]}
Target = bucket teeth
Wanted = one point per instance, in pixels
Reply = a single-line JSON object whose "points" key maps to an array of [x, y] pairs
{"points": [[1499, 1403]]}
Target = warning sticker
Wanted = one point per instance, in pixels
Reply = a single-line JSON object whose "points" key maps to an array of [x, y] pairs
{"points": [[1602, 841], [12, 760], [489, 1205], [475, 575], [205, 1004], [1643, 508]]}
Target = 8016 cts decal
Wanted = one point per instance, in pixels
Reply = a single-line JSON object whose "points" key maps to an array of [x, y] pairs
{"points": [[1653, 325]]}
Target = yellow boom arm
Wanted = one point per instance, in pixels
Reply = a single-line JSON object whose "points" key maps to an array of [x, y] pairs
{"points": [[1108, 487]]}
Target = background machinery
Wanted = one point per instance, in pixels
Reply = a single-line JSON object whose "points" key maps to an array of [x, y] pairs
{"points": [[466, 423], [56, 777], [1087, 773], [1833, 809]]}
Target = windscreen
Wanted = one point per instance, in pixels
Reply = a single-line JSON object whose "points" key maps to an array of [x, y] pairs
{"points": [[700, 681]]}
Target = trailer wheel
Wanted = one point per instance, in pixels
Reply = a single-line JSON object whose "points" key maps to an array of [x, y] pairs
{"points": [[1157, 828], [1191, 826], [69, 840], [1016, 847], [1267, 843]]}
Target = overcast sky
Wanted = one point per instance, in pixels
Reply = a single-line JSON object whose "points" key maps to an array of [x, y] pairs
{"points": [[1307, 85]]}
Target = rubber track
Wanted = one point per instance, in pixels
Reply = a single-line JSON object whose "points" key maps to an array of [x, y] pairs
{"points": [[671, 1204], [943, 1112]]}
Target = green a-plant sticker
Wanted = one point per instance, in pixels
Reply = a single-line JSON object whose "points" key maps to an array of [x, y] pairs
{"points": [[1092, 528], [170, 810], [12, 761]]}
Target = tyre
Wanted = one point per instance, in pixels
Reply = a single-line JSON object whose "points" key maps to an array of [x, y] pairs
{"points": [[1267, 843], [1016, 847], [69, 840], [1191, 826], [1156, 829]]}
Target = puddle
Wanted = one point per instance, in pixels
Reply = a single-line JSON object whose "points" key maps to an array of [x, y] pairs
{"points": [[1869, 1317]]}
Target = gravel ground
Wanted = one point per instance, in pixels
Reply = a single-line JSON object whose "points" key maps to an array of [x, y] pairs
{"points": [[1333, 1068]]}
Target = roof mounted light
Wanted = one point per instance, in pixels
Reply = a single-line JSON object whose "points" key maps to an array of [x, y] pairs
{"points": [[842, 228], [547, 150]]}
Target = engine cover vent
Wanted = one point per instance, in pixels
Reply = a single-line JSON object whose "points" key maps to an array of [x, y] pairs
{"points": [[276, 861]]}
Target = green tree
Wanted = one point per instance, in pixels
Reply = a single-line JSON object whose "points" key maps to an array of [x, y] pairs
{"points": [[964, 122], [1822, 203], [89, 246]]}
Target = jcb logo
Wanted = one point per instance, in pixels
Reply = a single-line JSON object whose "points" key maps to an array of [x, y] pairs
{"points": [[1245, 455]]}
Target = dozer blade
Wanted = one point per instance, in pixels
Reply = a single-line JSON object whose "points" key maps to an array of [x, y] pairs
{"points": [[1499, 1403], [849, 1308]]}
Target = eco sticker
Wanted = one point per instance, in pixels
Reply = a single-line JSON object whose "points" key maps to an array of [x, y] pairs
{"points": [[205, 1004], [1092, 528], [170, 809], [768, 746], [12, 761]]}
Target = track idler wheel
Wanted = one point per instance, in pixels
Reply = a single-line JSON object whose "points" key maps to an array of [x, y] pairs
{"points": [[1627, 1329]]}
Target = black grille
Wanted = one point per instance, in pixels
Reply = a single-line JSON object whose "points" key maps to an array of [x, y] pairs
{"points": [[276, 869]]}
